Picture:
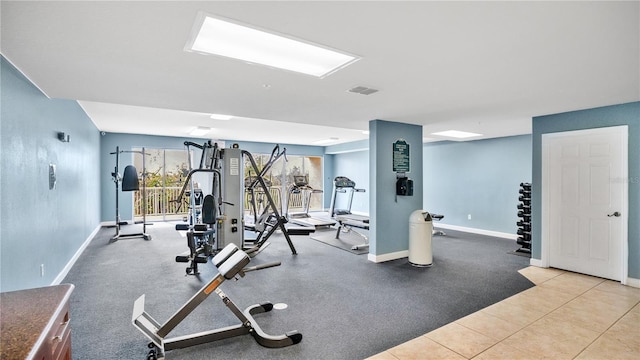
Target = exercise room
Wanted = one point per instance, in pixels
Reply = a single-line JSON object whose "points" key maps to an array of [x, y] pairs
{"points": [[340, 180]]}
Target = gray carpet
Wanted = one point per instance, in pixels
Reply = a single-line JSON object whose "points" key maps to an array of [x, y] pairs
{"points": [[347, 240], [345, 306]]}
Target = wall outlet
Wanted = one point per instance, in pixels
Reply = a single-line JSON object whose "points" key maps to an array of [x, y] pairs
{"points": [[469, 217], [41, 270], [52, 176]]}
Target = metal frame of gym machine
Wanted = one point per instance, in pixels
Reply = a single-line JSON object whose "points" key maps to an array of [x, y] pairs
{"points": [[270, 219], [117, 180], [228, 189], [200, 230], [230, 262]]}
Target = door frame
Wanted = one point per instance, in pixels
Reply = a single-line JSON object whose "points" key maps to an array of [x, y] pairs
{"points": [[545, 245]]}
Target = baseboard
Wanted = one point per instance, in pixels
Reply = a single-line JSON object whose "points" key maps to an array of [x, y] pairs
{"points": [[405, 253], [633, 282], [536, 262], [476, 231], [388, 257], [75, 257]]}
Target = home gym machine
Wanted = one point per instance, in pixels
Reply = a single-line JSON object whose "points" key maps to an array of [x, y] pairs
{"points": [[219, 220], [202, 213], [230, 262], [129, 182], [346, 220], [301, 188]]}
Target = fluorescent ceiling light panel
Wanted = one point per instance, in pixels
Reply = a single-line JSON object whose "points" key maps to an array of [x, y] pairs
{"points": [[221, 117], [231, 39], [456, 134], [200, 131]]}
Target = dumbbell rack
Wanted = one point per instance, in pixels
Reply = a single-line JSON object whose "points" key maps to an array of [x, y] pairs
{"points": [[524, 222]]}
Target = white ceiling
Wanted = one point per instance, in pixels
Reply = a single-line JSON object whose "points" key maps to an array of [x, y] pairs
{"points": [[485, 67]]}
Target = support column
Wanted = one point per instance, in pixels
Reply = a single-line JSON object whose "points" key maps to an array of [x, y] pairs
{"points": [[389, 214]]}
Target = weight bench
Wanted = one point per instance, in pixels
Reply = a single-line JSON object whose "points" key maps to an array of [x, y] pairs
{"points": [[230, 262]]}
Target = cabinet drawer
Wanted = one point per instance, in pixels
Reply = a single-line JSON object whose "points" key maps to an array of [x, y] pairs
{"points": [[65, 347], [60, 334]]}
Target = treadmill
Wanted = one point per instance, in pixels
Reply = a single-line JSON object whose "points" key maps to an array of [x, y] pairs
{"points": [[346, 220], [301, 188], [342, 184]]}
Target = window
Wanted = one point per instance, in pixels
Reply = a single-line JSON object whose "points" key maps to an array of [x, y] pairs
{"points": [[166, 170], [310, 166]]}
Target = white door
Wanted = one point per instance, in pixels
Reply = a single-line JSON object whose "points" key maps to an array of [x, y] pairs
{"points": [[584, 208]]}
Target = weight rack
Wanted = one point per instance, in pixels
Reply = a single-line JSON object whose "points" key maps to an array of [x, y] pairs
{"points": [[524, 223]]}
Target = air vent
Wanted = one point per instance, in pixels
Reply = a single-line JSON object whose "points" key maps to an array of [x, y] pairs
{"points": [[363, 90]]}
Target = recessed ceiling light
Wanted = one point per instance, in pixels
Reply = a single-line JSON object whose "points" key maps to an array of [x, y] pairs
{"points": [[221, 117], [200, 131], [456, 134], [238, 41], [326, 141]]}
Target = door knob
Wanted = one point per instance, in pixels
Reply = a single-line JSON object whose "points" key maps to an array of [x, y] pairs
{"points": [[616, 214]]}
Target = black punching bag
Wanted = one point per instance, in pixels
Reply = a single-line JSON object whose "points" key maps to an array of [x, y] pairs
{"points": [[130, 179]]}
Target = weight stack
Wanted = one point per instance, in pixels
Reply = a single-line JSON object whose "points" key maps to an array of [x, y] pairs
{"points": [[524, 222]]}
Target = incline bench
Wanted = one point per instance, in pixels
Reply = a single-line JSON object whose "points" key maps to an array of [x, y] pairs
{"points": [[230, 262]]}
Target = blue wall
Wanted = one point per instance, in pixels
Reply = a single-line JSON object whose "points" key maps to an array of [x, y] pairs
{"points": [[389, 228], [39, 226], [355, 166], [625, 114], [335, 156], [348, 147], [481, 178]]}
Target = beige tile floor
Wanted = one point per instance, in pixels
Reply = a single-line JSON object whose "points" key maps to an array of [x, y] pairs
{"points": [[565, 316]]}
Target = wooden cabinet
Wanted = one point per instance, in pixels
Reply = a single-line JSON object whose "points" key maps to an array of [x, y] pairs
{"points": [[35, 323]]}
